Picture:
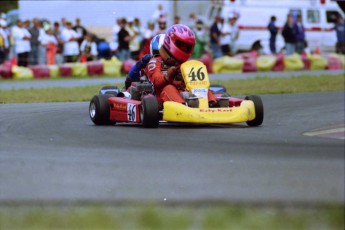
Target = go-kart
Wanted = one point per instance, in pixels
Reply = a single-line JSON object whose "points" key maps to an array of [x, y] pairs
{"points": [[139, 105]]}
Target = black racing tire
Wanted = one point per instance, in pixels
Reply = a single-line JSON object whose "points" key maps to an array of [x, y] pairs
{"points": [[99, 110], [259, 110], [222, 90], [113, 93], [149, 113]]}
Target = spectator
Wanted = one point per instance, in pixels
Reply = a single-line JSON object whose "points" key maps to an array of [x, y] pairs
{"points": [[49, 41], [159, 12], [192, 20], [137, 26], [59, 51], [114, 45], [273, 29], [162, 26], [340, 30], [289, 35], [22, 43], [35, 32], [88, 48], [70, 47], [63, 24], [134, 44], [4, 43], [148, 35], [201, 39], [215, 32], [81, 31], [123, 38], [103, 49], [42, 48], [225, 38], [234, 33], [27, 24], [177, 20], [300, 35]]}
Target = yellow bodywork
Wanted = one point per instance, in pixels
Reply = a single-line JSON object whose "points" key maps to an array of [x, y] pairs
{"points": [[195, 76], [176, 112], [196, 79]]}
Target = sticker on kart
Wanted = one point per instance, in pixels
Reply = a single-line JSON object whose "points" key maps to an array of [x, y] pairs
{"points": [[131, 112]]}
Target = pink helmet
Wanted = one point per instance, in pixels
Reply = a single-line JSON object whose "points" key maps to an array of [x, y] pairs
{"points": [[179, 42]]}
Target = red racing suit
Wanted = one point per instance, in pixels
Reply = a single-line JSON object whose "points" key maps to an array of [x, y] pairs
{"points": [[156, 70]]}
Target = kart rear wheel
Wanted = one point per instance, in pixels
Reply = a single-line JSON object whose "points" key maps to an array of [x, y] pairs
{"points": [[109, 87], [149, 113], [259, 110], [111, 90], [99, 110]]}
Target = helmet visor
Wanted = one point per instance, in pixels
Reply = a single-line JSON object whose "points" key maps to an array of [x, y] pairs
{"points": [[185, 47]]}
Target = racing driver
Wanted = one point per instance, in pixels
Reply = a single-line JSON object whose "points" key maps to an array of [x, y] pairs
{"points": [[163, 70], [137, 70]]}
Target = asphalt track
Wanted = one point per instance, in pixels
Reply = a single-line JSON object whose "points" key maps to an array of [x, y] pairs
{"points": [[51, 152]]}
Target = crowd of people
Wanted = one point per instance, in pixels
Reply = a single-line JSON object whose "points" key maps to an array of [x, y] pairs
{"points": [[294, 36], [38, 41], [41, 42], [131, 40]]}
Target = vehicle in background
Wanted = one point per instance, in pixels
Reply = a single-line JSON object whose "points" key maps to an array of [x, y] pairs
{"points": [[318, 18]]}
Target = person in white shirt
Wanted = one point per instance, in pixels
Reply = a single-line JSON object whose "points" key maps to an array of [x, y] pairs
{"points": [[88, 48], [47, 37], [114, 44], [4, 42], [49, 42], [22, 43], [234, 34], [191, 23], [134, 43], [225, 38], [158, 13], [42, 48], [70, 47]]}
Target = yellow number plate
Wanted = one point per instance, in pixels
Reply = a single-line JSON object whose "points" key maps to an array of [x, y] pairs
{"points": [[195, 75]]}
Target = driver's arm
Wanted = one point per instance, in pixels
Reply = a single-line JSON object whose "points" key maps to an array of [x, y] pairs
{"points": [[154, 73]]}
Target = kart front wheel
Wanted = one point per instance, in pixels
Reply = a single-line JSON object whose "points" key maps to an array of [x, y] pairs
{"points": [[99, 110], [149, 113], [259, 110]]}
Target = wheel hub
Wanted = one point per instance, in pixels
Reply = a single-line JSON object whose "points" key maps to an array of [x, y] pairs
{"points": [[92, 110]]}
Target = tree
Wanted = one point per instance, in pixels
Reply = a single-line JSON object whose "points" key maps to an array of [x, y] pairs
{"points": [[6, 6]]}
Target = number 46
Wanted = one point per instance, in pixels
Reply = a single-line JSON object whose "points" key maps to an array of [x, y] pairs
{"points": [[200, 75]]}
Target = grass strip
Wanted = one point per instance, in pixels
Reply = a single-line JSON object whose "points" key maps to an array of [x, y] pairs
{"points": [[170, 217], [259, 86]]}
